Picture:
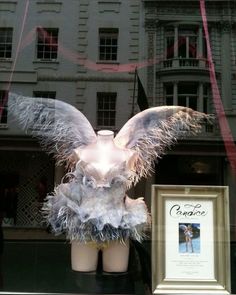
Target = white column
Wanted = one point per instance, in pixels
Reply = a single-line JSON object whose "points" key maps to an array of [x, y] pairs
{"points": [[175, 93], [200, 43], [200, 98], [187, 47], [176, 43]]}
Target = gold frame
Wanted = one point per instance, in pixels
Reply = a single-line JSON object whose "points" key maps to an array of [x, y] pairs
{"points": [[218, 197]]}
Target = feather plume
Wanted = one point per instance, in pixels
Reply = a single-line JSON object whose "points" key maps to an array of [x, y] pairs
{"points": [[154, 130], [60, 127]]}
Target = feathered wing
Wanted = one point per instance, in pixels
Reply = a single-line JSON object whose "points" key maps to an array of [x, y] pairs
{"points": [[152, 131], [59, 126]]}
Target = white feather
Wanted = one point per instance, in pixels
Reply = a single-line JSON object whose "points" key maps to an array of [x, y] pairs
{"points": [[60, 127], [154, 130]]}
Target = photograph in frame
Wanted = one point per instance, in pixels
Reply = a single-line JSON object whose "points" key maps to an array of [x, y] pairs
{"points": [[190, 239]]}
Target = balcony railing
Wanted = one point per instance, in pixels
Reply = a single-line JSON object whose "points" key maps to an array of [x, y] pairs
{"points": [[177, 63], [187, 62]]}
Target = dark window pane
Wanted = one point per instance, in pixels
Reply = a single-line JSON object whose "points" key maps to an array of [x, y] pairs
{"points": [[108, 50], [46, 94], [100, 121], [193, 103], [47, 55], [192, 47], [169, 101], [114, 42], [102, 49], [113, 49], [205, 89], [106, 105], [204, 50], [106, 113], [205, 105], [9, 39], [8, 54], [54, 55], [182, 47], [102, 41], [4, 116], [182, 101], [170, 47], [108, 41], [187, 88], [169, 89], [3, 104], [112, 122]]}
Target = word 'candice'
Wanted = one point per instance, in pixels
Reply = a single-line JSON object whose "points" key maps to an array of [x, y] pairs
{"points": [[187, 210]]}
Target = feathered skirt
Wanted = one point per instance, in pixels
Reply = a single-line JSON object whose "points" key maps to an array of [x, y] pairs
{"points": [[95, 214]]}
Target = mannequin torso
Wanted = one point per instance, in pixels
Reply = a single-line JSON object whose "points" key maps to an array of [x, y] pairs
{"points": [[93, 208]]}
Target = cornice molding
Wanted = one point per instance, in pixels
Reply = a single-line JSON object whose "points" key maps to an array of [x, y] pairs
{"points": [[87, 78], [8, 6], [49, 6]]}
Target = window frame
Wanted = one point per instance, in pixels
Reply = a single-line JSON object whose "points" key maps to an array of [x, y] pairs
{"points": [[5, 33], [175, 95], [106, 114], [4, 107], [49, 47], [49, 95], [45, 94], [110, 50], [169, 32]]}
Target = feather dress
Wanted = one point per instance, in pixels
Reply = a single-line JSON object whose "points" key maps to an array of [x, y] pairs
{"points": [[88, 209]]}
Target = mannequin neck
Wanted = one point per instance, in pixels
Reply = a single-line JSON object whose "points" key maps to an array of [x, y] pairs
{"points": [[105, 137]]}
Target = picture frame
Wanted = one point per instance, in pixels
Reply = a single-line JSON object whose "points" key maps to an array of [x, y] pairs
{"points": [[190, 239]]}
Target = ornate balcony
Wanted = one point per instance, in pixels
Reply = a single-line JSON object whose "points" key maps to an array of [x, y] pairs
{"points": [[184, 63]]}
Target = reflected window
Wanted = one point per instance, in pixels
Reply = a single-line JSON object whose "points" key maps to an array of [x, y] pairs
{"points": [[47, 43], [3, 106], [106, 109], [6, 42], [187, 43], [46, 114], [45, 94], [188, 94], [170, 42], [108, 44], [184, 42]]}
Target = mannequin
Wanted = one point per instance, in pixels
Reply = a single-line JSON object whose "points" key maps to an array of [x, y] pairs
{"points": [[102, 157], [91, 205]]}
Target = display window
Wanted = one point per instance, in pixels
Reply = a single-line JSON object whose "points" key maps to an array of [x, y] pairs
{"points": [[117, 147]]}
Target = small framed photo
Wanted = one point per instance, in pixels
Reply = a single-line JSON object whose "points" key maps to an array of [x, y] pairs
{"points": [[190, 239]]}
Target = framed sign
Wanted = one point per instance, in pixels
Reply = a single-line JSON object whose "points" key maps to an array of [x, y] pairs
{"points": [[190, 239]]}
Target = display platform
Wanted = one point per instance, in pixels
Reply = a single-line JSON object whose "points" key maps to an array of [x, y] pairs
{"points": [[43, 266]]}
